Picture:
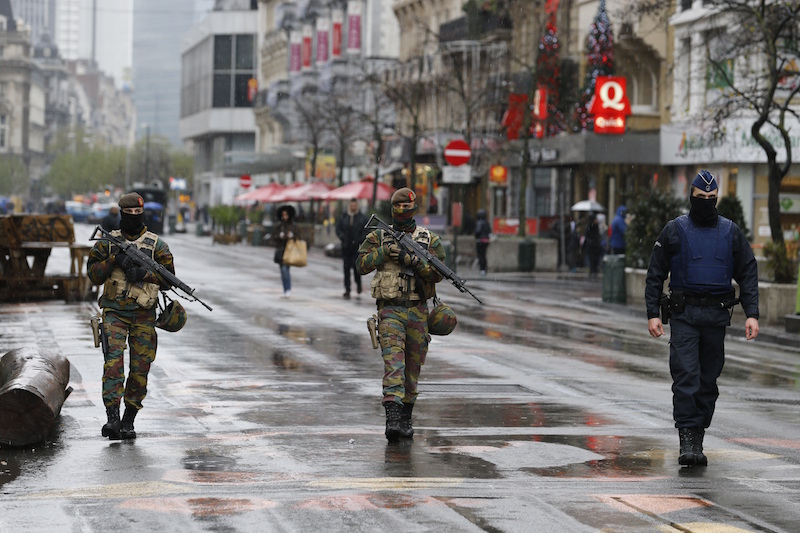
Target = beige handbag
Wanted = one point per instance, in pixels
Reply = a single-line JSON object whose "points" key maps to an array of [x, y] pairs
{"points": [[296, 253]]}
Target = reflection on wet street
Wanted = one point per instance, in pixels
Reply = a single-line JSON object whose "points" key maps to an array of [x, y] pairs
{"points": [[545, 410]]}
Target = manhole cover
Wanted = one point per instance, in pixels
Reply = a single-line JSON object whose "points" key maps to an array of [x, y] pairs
{"points": [[482, 388]]}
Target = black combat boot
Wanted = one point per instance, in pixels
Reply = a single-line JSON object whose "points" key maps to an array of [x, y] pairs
{"points": [[688, 437], [406, 429], [700, 457], [111, 429], [393, 421], [127, 432]]}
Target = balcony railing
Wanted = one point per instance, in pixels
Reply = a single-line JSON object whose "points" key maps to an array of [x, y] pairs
{"points": [[473, 28]]}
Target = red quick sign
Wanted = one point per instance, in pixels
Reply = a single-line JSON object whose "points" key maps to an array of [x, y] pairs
{"points": [[610, 105]]}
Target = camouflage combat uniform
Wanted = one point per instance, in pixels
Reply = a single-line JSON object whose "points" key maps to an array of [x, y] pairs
{"points": [[125, 320], [403, 319]]}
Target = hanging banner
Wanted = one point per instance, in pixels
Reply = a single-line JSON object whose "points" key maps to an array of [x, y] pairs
{"points": [[323, 27], [306, 50], [295, 41], [337, 18], [539, 112], [354, 27]]}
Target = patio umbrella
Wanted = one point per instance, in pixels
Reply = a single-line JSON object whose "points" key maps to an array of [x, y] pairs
{"points": [[361, 190], [303, 192], [588, 205], [262, 194], [154, 206]]}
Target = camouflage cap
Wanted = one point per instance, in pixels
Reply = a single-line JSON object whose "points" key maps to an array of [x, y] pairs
{"points": [[131, 199], [403, 195]]}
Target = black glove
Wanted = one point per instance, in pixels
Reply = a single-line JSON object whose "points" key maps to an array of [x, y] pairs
{"points": [[408, 259], [135, 274], [122, 260]]}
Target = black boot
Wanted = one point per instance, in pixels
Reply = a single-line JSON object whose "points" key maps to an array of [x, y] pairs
{"points": [[393, 419], [111, 429], [127, 432], [700, 457], [688, 438], [406, 429]]}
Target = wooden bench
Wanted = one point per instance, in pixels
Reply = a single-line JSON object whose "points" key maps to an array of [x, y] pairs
{"points": [[26, 242]]}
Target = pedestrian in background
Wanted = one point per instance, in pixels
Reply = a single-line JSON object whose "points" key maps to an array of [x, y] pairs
{"points": [[592, 245], [128, 305], [285, 229], [483, 236], [350, 230], [111, 220], [618, 228], [701, 253], [402, 286]]}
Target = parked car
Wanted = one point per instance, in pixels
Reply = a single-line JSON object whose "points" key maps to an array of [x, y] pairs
{"points": [[79, 211], [98, 212]]}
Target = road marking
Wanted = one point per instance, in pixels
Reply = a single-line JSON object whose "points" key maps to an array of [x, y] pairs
{"points": [[114, 491], [387, 483]]}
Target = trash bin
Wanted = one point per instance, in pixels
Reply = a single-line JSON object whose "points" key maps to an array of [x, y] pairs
{"points": [[200, 229], [614, 279], [258, 235], [449, 256], [527, 256], [172, 222]]}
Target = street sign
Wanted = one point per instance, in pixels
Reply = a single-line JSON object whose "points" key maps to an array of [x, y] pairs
{"points": [[460, 174], [457, 153], [245, 181]]}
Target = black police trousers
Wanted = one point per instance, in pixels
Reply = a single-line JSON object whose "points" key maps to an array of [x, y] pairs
{"points": [[696, 358]]}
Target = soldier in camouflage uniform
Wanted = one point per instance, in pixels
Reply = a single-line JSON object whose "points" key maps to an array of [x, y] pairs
{"points": [[128, 303], [402, 286]]}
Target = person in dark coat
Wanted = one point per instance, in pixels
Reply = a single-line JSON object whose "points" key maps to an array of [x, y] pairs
{"points": [[593, 245], [350, 230], [483, 235], [111, 220], [701, 253], [285, 229]]}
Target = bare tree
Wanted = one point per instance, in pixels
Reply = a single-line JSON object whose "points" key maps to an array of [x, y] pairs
{"points": [[377, 115], [343, 119], [309, 108], [751, 53]]}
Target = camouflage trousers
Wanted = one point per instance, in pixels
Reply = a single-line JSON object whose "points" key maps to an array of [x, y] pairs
{"points": [[404, 343], [142, 339]]}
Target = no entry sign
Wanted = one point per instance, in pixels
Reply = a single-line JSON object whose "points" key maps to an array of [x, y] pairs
{"points": [[457, 153], [245, 181]]}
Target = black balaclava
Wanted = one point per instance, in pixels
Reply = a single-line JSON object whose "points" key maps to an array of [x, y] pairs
{"points": [[403, 219], [131, 224], [703, 210]]}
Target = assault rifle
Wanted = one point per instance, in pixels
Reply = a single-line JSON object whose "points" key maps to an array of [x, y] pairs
{"points": [[145, 261], [413, 247]]}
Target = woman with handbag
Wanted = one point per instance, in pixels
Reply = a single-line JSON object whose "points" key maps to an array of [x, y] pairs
{"points": [[285, 230]]}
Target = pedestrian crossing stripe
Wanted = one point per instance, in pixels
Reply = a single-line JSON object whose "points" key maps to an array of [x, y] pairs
{"points": [[387, 483]]}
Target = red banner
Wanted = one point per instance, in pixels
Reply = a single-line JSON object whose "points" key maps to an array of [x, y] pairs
{"points": [[337, 18], [306, 53], [323, 27], [354, 26]]}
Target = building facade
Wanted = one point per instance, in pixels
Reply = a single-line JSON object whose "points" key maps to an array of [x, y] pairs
{"points": [[218, 86], [22, 98]]}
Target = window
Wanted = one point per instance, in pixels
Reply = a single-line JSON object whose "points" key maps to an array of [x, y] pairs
{"points": [[3, 132], [234, 67]]}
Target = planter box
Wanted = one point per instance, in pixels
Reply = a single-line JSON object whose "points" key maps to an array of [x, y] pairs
{"points": [[775, 300], [224, 238]]}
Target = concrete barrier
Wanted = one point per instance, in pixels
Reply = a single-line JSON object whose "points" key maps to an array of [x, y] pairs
{"points": [[775, 300]]}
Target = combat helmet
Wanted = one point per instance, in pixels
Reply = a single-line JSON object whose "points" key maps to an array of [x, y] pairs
{"points": [[442, 319], [172, 318]]}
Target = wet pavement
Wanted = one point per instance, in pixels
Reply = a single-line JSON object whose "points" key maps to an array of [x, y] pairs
{"points": [[545, 410]]}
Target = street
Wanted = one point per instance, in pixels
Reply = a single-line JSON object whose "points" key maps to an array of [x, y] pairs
{"points": [[545, 410]]}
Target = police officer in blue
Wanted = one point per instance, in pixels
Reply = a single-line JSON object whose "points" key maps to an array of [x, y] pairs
{"points": [[701, 252]]}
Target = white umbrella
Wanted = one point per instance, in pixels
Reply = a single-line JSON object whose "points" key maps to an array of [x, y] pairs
{"points": [[588, 205]]}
